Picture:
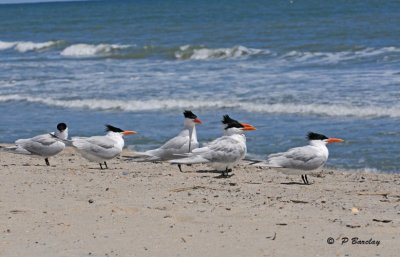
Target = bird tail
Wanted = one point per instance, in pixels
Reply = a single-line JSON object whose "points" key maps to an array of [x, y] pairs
{"points": [[260, 163], [190, 160], [142, 157], [14, 149], [250, 161]]}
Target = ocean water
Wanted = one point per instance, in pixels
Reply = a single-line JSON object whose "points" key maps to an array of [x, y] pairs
{"points": [[286, 67]]}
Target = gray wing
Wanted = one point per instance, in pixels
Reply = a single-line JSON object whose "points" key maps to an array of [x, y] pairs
{"points": [[172, 148], [304, 158], [95, 144], [43, 145], [224, 149], [177, 143], [101, 141]]}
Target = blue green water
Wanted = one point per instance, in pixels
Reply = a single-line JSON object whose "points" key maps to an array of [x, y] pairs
{"points": [[287, 67]]}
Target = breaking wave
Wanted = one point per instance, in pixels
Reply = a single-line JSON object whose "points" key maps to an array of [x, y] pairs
{"points": [[337, 57], [149, 105], [27, 46], [181, 53], [87, 50], [193, 53]]}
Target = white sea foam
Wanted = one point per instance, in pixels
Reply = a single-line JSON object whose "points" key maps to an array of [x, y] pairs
{"points": [[188, 52], [31, 46], [279, 108], [6, 45], [88, 50], [336, 57], [26, 46]]}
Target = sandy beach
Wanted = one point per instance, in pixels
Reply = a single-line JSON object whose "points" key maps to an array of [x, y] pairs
{"points": [[72, 208]]}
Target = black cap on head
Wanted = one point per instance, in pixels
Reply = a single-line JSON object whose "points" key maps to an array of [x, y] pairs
{"points": [[315, 136], [61, 126], [113, 129], [189, 114], [231, 123]]}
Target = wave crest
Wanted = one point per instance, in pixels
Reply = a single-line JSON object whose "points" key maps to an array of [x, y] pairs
{"points": [[27, 46], [88, 50], [277, 108], [193, 53], [337, 57], [190, 52]]}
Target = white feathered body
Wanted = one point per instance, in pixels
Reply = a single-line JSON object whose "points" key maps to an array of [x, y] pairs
{"points": [[173, 148], [99, 148], [299, 160], [42, 145], [222, 153]]}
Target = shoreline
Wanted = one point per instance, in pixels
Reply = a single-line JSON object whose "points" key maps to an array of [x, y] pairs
{"points": [[72, 208]]}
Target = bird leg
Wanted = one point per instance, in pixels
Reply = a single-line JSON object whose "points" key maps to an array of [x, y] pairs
{"points": [[47, 161], [101, 166], [105, 164], [305, 179], [180, 168], [225, 173]]}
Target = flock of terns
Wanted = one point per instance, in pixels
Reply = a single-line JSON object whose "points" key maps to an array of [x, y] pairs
{"points": [[222, 153]]}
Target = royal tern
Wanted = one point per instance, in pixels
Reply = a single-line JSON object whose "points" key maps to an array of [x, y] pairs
{"points": [[183, 143], [301, 160], [101, 148], [42, 145], [224, 152]]}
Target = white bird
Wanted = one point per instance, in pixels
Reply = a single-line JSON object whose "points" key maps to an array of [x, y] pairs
{"points": [[183, 143], [224, 152], [301, 160], [42, 145], [101, 148]]}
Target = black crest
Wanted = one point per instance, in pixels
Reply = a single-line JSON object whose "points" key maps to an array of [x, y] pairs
{"points": [[189, 114], [61, 127], [231, 123], [315, 136], [113, 129]]}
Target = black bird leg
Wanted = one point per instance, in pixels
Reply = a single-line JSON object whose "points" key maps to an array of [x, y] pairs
{"points": [[105, 164], [101, 166], [225, 173], [180, 168], [47, 161], [305, 179]]}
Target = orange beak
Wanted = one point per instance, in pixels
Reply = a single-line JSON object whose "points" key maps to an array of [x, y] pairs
{"points": [[197, 121], [334, 140], [248, 127], [127, 132]]}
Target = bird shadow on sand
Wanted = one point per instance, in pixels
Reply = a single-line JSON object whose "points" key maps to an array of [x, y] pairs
{"points": [[208, 171], [221, 175], [295, 183], [98, 168]]}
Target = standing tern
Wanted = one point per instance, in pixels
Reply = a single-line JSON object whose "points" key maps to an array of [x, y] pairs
{"points": [[42, 145], [183, 143], [224, 152], [301, 160], [101, 148]]}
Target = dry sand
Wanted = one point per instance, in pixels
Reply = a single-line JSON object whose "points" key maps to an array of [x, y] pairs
{"points": [[73, 208]]}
